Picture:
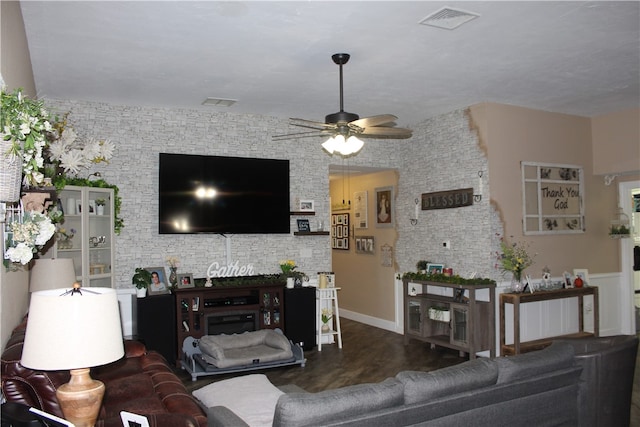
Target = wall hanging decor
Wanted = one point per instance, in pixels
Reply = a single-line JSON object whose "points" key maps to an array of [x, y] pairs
{"points": [[552, 198]]}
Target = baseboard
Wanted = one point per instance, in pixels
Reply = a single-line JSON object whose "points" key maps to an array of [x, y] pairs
{"points": [[369, 320]]}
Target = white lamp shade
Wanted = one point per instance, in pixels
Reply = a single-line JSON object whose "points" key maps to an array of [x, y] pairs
{"points": [[52, 273], [72, 331]]}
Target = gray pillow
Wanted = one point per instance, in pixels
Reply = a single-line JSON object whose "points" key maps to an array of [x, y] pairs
{"points": [[301, 409], [423, 386], [558, 355]]}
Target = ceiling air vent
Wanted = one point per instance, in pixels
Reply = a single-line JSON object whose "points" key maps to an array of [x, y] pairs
{"points": [[219, 102], [448, 18]]}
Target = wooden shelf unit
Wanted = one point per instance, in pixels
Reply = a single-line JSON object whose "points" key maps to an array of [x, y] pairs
{"points": [[525, 297], [471, 327], [194, 306]]}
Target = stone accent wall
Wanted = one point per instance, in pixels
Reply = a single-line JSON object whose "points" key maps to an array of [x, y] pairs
{"points": [[140, 133], [443, 154]]}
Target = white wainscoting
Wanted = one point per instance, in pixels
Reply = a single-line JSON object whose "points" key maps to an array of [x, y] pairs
{"points": [[127, 303]]}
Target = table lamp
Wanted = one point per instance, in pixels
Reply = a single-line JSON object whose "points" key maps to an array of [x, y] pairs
{"points": [[74, 329], [52, 273]]}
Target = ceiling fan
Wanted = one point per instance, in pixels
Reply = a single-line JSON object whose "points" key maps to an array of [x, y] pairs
{"points": [[343, 128]]}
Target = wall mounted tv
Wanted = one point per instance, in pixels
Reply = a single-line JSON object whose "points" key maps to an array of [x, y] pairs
{"points": [[226, 195]]}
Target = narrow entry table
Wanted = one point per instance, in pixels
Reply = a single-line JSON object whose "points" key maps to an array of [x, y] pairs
{"points": [[521, 298]]}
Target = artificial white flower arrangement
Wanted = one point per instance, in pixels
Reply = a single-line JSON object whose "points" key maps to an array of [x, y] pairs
{"points": [[73, 154], [25, 123], [27, 237]]}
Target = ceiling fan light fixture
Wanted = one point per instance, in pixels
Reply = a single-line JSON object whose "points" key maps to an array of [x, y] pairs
{"points": [[345, 147]]}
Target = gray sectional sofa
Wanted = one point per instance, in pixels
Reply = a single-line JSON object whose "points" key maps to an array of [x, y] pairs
{"points": [[542, 388]]}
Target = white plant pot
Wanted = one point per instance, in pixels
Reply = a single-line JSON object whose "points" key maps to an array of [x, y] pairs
{"points": [[141, 293], [100, 210]]}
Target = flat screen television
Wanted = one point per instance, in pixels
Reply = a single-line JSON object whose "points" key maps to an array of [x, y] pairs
{"points": [[226, 195]]}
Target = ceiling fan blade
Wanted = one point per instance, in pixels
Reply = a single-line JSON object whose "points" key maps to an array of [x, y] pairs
{"points": [[310, 123], [386, 132], [310, 134], [381, 119]]}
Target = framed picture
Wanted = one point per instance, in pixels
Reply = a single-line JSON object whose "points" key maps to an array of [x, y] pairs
{"points": [[185, 281], [384, 207], [435, 268], [159, 284], [92, 207], [582, 273], [307, 206], [340, 231], [133, 420], [303, 225], [365, 244], [360, 216]]}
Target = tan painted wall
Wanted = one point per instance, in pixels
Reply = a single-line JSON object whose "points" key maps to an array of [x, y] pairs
{"points": [[367, 286], [616, 142], [15, 66], [515, 134], [15, 62]]}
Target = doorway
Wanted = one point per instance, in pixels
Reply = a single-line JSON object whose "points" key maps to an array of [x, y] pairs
{"points": [[629, 192]]}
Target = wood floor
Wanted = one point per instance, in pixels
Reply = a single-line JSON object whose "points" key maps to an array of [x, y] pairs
{"points": [[369, 354]]}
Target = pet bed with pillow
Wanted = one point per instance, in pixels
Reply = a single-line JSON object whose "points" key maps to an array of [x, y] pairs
{"points": [[219, 354]]}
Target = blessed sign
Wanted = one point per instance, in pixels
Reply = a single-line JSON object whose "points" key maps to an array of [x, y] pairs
{"points": [[447, 199]]}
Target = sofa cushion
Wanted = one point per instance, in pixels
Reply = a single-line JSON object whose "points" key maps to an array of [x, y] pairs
{"points": [[313, 409], [558, 355], [423, 386], [252, 397]]}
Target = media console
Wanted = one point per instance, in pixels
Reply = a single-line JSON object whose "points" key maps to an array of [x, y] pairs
{"points": [[228, 309]]}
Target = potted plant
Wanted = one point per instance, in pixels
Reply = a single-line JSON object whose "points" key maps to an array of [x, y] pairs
{"points": [[100, 206], [422, 266], [142, 280]]}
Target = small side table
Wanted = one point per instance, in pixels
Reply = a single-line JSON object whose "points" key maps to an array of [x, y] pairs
{"points": [[329, 296]]}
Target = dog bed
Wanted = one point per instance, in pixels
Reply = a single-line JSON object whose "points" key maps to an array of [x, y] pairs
{"points": [[219, 354]]}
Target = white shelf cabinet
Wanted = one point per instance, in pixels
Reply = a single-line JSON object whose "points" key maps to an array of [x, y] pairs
{"points": [[92, 249]]}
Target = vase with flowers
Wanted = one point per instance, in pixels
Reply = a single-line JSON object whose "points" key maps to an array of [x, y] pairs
{"points": [[174, 263], [514, 259], [288, 266], [326, 316], [26, 238], [64, 236]]}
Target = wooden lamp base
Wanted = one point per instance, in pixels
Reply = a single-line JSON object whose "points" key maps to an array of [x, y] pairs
{"points": [[81, 398]]}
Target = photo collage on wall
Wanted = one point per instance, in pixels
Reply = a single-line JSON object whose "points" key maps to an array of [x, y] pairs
{"points": [[340, 231]]}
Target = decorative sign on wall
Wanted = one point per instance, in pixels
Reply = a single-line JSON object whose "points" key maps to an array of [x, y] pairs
{"points": [[552, 196], [360, 201], [231, 270], [447, 199], [340, 231]]}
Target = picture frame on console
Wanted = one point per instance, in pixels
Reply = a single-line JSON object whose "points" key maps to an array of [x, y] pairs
{"points": [[435, 268], [186, 281], [159, 283]]}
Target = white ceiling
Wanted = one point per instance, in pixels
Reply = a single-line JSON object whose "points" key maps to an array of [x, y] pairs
{"points": [[274, 58]]}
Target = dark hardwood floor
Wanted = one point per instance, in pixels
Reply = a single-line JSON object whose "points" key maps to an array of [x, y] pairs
{"points": [[369, 354]]}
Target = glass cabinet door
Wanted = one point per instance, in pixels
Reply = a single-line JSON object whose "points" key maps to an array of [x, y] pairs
{"points": [[99, 237], [414, 320], [87, 235], [459, 322]]}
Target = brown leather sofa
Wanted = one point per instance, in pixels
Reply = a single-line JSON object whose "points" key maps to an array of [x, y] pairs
{"points": [[141, 382]]}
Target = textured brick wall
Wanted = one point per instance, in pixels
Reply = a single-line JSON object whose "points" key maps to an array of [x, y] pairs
{"points": [[445, 155], [442, 155]]}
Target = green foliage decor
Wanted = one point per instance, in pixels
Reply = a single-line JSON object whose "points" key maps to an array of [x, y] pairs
{"points": [[61, 181], [441, 278], [141, 278]]}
